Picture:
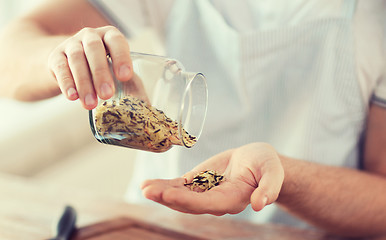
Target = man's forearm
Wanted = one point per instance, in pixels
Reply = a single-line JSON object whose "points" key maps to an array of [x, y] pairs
{"points": [[23, 63], [343, 201]]}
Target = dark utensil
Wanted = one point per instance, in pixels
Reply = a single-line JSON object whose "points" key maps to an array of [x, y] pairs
{"points": [[66, 224]]}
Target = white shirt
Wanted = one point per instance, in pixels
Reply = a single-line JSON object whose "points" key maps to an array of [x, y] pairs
{"points": [[299, 75]]}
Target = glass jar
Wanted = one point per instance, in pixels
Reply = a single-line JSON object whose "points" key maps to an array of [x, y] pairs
{"points": [[161, 106]]}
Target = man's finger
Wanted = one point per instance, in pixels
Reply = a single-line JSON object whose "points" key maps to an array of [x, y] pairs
{"points": [[119, 50]]}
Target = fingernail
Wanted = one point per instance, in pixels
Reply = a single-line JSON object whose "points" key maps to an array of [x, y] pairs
{"points": [[124, 71], [265, 200], [89, 100], [106, 90], [71, 92]]}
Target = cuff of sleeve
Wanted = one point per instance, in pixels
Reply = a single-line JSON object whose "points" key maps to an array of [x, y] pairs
{"points": [[378, 101]]}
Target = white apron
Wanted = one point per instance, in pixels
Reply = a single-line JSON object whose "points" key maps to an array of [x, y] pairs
{"points": [[294, 87]]}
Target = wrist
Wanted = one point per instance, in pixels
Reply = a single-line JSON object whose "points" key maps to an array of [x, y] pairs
{"points": [[289, 184]]}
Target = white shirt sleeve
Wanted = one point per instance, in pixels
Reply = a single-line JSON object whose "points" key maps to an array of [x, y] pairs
{"points": [[132, 16]]}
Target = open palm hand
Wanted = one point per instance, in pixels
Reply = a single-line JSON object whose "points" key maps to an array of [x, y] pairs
{"points": [[252, 174]]}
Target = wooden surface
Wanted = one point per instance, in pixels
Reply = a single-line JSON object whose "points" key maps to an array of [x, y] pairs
{"points": [[29, 210], [127, 228]]}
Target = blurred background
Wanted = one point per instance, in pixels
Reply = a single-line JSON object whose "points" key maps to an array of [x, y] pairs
{"points": [[51, 141]]}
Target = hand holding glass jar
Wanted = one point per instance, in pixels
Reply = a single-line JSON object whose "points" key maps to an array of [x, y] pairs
{"points": [[145, 102]]}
